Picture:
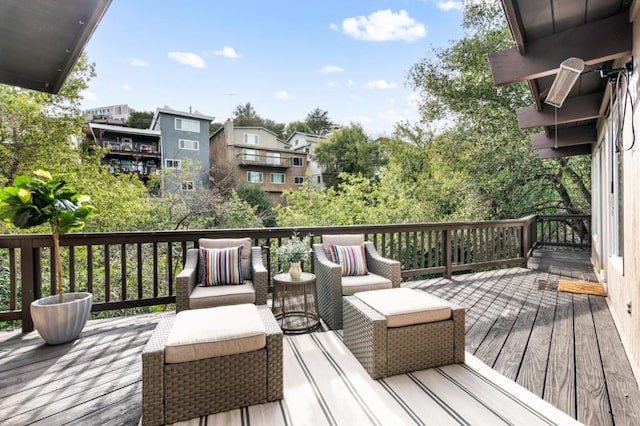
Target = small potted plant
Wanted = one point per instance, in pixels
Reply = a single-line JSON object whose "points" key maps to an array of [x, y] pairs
{"points": [[293, 252], [34, 201]]}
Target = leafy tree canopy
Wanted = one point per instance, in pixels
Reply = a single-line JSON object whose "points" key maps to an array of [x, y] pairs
{"points": [[140, 119], [319, 122]]}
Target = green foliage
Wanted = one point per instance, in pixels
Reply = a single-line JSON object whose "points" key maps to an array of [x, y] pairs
{"points": [[318, 122], [295, 250], [348, 150], [35, 127], [255, 196], [140, 119], [246, 116], [296, 126]]}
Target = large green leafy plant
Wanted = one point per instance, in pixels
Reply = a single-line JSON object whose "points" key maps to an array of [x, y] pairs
{"points": [[41, 199]]}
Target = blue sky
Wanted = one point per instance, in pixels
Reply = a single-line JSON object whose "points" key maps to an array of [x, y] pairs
{"points": [[286, 57]]}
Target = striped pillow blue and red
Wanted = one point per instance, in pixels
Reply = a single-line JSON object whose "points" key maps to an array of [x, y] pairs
{"points": [[351, 258], [222, 266]]}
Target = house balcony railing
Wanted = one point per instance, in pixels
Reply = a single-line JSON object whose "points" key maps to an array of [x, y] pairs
{"points": [[264, 160], [137, 269]]}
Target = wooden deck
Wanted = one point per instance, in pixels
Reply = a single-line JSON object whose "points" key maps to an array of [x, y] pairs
{"points": [[562, 347]]}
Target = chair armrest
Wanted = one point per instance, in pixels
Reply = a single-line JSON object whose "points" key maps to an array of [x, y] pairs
{"points": [[259, 276], [274, 354], [382, 266], [153, 373], [329, 287], [186, 280]]}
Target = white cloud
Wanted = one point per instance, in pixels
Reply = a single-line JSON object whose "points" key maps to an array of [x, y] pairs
{"points": [[135, 62], [227, 52], [333, 84], [450, 5], [187, 58], [88, 96], [333, 26], [355, 97], [384, 25], [349, 82], [283, 95], [125, 87], [379, 84], [327, 69], [414, 98]]}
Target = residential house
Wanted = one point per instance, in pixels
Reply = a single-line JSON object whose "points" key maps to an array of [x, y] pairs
{"points": [[131, 150], [185, 139], [598, 118], [119, 113], [257, 156], [306, 142]]}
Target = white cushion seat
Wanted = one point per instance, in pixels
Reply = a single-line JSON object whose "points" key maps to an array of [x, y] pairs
{"points": [[207, 297], [358, 283], [404, 306], [215, 332]]}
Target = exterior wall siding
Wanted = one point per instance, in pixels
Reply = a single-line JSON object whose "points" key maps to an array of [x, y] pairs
{"points": [[623, 280]]}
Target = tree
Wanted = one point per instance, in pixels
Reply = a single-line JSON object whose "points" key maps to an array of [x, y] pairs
{"points": [[319, 122], [296, 126], [481, 148], [36, 127], [140, 119], [246, 116], [349, 151], [256, 197]]}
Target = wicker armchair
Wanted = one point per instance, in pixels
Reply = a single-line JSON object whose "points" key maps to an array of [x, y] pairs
{"points": [[331, 285], [190, 295]]}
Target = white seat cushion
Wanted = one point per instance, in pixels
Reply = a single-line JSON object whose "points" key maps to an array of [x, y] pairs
{"points": [[209, 297], [208, 333], [354, 284], [404, 306]]}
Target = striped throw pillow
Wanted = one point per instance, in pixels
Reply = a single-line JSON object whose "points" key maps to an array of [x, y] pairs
{"points": [[351, 258], [222, 266]]}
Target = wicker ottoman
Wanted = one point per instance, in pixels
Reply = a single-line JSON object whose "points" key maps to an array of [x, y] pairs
{"points": [[400, 330], [205, 361]]}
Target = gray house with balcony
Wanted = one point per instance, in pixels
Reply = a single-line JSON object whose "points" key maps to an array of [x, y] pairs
{"points": [[185, 148]]}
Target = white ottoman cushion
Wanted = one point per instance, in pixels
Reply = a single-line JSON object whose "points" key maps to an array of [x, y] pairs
{"points": [[212, 332], [404, 306]]}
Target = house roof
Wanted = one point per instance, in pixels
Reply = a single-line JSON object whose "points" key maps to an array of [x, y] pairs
{"points": [[123, 129], [308, 135], [41, 40], [170, 111], [599, 32]]}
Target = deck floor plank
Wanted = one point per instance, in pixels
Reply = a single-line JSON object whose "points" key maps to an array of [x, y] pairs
{"points": [[96, 379], [592, 401]]}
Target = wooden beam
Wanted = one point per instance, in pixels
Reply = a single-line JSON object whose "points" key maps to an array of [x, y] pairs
{"points": [[578, 108], [515, 23], [595, 42], [567, 136], [565, 152]]}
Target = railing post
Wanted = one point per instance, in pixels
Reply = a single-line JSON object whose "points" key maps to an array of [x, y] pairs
{"points": [[525, 243], [447, 254], [28, 264]]}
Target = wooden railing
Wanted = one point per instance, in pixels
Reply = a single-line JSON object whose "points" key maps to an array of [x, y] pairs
{"points": [[137, 269], [564, 230]]}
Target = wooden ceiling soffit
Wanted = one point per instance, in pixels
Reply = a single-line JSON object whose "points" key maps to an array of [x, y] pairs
{"points": [[574, 109], [567, 136], [565, 152], [595, 42]]}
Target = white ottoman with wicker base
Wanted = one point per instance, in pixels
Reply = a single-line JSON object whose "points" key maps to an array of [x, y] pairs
{"points": [[204, 361], [400, 330]]}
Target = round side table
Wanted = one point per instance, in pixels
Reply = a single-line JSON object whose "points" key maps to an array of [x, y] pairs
{"points": [[295, 304]]}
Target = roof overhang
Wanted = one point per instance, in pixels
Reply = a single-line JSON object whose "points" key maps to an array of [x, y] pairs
{"points": [[600, 33], [41, 40]]}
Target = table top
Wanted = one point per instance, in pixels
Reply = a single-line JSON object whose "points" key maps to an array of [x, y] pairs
{"points": [[285, 278]]}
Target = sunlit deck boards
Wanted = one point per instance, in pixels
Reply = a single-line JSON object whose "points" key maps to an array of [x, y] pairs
{"points": [[561, 347]]}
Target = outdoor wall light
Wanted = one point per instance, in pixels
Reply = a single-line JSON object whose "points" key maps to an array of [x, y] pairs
{"points": [[570, 70]]}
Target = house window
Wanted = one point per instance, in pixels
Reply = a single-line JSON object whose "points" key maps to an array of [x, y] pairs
{"points": [[298, 180], [250, 138], [187, 186], [273, 158], [250, 155], [188, 125], [172, 164], [319, 179], [298, 162], [254, 177], [277, 178], [189, 144]]}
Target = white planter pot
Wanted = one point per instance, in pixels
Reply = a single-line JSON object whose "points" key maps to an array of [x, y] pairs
{"points": [[61, 322]]}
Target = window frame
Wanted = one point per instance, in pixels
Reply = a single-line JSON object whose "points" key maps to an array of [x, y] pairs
{"points": [[298, 180], [195, 144], [196, 124], [245, 138], [293, 161], [191, 186], [261, 174], [177, 162], [271, 175]]}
